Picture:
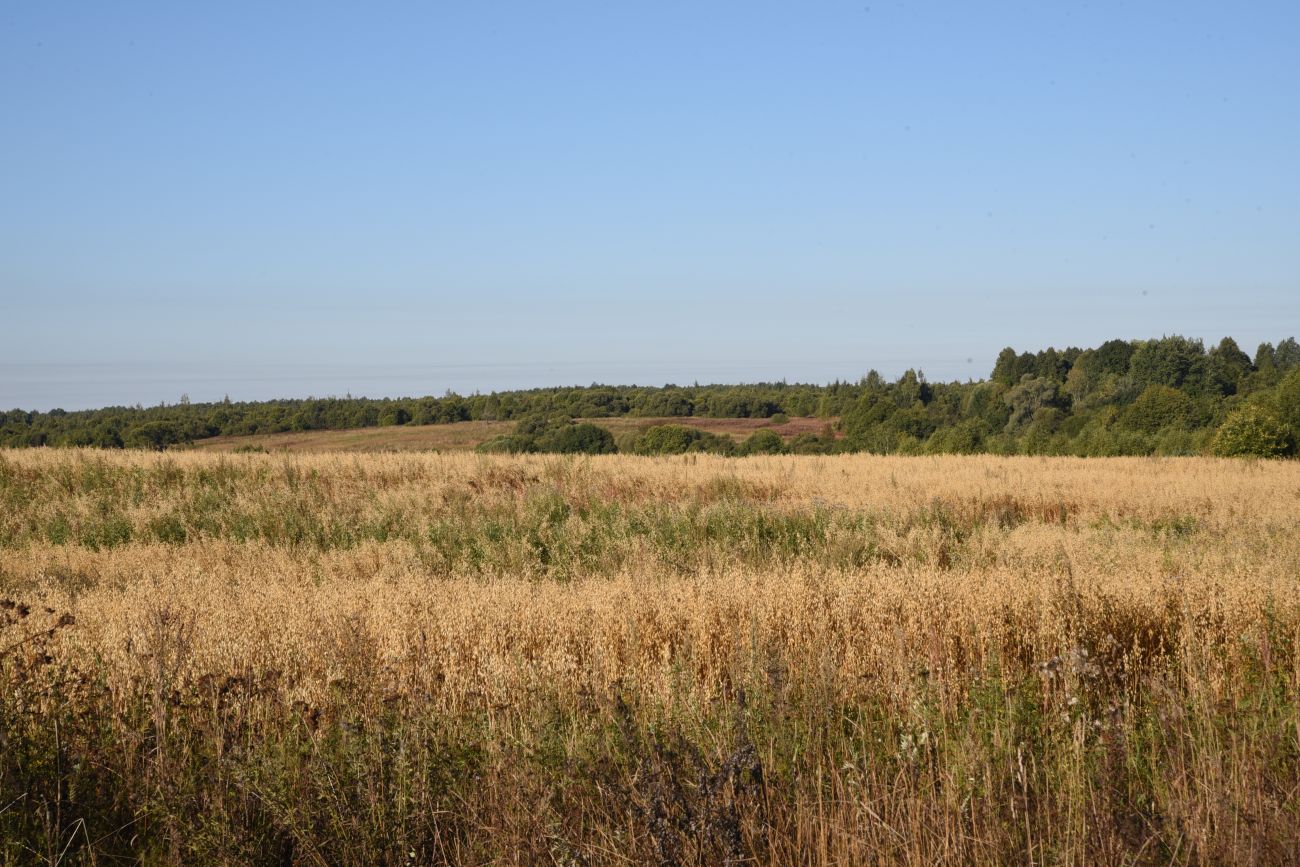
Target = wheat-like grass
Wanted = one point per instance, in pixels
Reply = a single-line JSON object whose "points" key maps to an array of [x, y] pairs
{"points": [[815, 660]]}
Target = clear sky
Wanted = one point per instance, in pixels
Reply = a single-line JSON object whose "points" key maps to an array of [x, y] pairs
{"points": [[283, 199]]}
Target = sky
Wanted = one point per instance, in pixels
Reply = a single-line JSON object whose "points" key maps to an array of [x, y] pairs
{"points": [[289, 199]]}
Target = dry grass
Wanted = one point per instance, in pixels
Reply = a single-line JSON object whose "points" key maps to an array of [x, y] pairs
{"points": [[455, 658]]}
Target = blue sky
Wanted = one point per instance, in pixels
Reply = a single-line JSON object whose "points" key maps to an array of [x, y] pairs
{"points": [[287, 199]]}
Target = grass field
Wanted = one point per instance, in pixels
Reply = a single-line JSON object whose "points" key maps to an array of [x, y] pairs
{"points": [[453, 658], [464, 436]]}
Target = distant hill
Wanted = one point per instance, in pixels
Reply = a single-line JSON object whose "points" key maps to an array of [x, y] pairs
{"points": [[1168, 395]]}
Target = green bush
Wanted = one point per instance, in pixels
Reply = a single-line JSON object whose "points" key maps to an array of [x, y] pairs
{"points": [[963, 439], [676, 439], [587, 439], [511, 444], [539, 424], [1253, 431], [811, 444], [156, 435], [763, 442]]}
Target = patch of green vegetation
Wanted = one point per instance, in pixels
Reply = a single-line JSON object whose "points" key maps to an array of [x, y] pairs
{"points": [[1167, 396]]}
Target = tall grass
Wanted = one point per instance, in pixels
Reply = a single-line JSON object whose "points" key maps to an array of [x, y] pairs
{"points": [[459, 659]]}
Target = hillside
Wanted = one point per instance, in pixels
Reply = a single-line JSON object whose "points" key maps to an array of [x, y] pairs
{"points": [[1165, 396], [468, 435]]}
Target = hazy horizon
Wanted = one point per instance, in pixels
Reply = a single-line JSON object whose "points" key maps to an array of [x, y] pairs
{"points": [[71, 386]]}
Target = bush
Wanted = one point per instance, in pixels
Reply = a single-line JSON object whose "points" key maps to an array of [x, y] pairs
{"points": [[156, 435], [780, 418], [811, 444], [509, 444], [881, 439], [676, 439], [586, 439], [763, 442], [962, 439], [1253, 431], [539, 424]]}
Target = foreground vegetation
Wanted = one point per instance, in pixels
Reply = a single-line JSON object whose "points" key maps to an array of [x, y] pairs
{"points": [[1169, 396], [468, 659]]}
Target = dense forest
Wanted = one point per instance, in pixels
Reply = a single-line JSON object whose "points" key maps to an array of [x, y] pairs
{"points": [[1167, 396]]}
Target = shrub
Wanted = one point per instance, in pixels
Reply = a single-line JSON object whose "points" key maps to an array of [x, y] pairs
{"points": [[155, 435], [763, 442], [962, 439], [539, 424], [587, 439], [676, 439], [810, 444], [1253, 431], [512, 444]]}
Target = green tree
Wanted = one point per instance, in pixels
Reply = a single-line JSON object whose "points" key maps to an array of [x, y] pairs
{"points": [[1287, 354], [984, 402], [1157, 407], [1173, 361], [911, 389], [1286, 401], [1225, 367], [1032, 394], [1010, 368], [966, 438], [1114, 356], [156, 435], [913, 422], [393, 415]]}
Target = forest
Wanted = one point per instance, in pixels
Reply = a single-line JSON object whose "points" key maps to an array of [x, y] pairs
{"points": [[1165, 396]]}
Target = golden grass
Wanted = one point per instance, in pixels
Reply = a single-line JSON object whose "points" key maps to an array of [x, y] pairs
{"points": [[683, 660]]}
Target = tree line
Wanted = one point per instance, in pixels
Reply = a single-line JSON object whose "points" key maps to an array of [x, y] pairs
{"points": [[1167, 396]]}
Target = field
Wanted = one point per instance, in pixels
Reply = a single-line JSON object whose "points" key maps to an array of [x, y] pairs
{"points": [[452, 658], [465, 435]]}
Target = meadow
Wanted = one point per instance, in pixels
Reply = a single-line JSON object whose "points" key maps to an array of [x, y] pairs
{"points": [[346, 658]]}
